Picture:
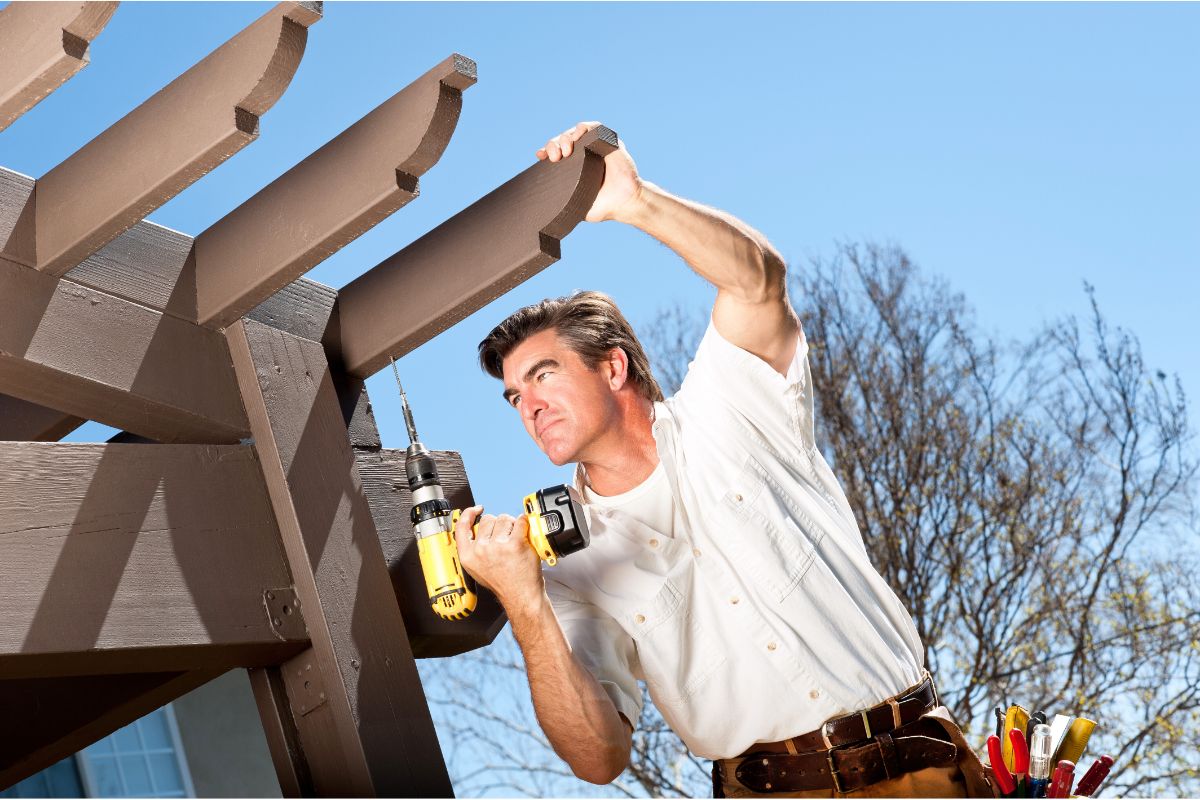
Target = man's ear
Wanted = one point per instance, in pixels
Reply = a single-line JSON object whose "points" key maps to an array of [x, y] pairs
{"points": [[616, 365]]}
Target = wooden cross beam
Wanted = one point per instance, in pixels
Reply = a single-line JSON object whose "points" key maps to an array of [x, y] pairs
{"points": [[96, 356], [119, 558], [44, 44]]}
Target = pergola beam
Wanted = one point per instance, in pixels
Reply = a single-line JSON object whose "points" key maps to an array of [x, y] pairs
{"points": [[467, 261], [327, 200], [164, 145], [386, 487], [44, 44], [92, 355], [122, 558]]}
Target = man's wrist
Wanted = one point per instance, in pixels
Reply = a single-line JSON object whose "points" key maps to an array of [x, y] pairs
{"points": [[526, 606], [639, 207]]}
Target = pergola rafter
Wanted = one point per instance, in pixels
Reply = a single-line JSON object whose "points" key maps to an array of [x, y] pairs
{"points": [[44, 44], [247, 515]]}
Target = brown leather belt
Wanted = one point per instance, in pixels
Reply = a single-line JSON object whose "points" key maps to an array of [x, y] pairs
{"points": [[859, 726], [911, 747]]}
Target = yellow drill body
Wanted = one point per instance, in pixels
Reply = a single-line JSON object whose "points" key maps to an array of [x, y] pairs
{"points": [[556, 527]]}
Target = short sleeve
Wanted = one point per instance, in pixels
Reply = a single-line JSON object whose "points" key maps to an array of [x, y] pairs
{"points": [[603, 647], [725, 378]]}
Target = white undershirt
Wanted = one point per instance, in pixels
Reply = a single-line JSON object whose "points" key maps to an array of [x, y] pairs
{"points": [[649, 502]]}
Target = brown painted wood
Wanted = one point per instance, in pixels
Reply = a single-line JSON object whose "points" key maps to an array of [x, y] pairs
{"points": [[326, 201], [283, 737], [44, 44], [142, 265], [135, 558], [386, 488], [21, 421], [368, 730], [467, 261], [99, 357], [15, 193], [46, 720], [162, 146]]}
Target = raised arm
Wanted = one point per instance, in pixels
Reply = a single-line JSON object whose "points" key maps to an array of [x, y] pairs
{"points": [[752, 309]]}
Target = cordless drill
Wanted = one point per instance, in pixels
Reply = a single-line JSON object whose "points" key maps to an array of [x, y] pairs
{"points": [[556, 526]]}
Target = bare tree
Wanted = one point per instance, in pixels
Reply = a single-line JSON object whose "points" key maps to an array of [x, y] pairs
{"points": [[1031, 503]]}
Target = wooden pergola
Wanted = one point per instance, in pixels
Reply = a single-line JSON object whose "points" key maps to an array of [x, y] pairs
{"points": [[247, 515]]}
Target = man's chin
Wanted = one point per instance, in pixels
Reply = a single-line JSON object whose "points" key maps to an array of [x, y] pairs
{"points": [[558, 455]]}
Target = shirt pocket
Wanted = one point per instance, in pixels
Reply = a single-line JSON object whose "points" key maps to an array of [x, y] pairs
{"points": [[780, 540], [678, 655]]}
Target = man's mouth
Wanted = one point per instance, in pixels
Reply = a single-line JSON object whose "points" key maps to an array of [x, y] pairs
{"points": [[541, 429]]}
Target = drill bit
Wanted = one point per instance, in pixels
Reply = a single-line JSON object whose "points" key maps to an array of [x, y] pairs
{"points": [[408, 417]]}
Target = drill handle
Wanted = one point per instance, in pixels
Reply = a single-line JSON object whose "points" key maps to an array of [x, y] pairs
{"points": [[537, 536]]}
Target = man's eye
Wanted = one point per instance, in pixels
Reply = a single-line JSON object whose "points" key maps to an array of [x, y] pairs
{"points": [[542, 375], [516, 398]]}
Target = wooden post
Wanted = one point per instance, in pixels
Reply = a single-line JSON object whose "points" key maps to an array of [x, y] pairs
{"points": [[351, 706]]}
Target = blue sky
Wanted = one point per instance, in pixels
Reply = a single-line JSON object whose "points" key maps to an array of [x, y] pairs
{"points": [[1016, 150]]}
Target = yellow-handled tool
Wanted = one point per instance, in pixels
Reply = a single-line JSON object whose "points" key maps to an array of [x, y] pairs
{"points": [[556, 526]]}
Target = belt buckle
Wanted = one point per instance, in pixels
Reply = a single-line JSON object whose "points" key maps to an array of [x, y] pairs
{"points": [[833, 772]]}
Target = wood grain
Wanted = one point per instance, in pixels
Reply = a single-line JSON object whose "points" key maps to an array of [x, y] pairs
{"points": [[99, 357], [135, 558]]}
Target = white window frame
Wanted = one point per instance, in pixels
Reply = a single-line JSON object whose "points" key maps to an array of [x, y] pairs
{"points": [[87, 779]]}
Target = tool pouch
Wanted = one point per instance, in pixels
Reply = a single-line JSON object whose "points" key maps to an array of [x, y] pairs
{"points": [[977, 778]]}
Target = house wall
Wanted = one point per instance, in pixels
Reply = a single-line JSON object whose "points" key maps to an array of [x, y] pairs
{"points": [[223, 740]]}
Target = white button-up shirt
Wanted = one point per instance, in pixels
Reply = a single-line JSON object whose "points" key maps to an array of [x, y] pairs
{"points": [[762, 616]]}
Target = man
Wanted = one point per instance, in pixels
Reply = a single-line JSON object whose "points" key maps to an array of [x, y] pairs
{"points": [[725, 566]]}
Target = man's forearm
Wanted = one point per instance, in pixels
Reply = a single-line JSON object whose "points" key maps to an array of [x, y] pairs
{"points": [[721, 248], [578, 717]]}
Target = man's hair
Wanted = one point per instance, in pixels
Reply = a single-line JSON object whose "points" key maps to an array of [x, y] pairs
{"points": [[587, 322]]}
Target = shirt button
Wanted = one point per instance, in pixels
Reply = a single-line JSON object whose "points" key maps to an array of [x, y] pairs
{"points": [[737, 498], [735, 600], [771, 645], [696, 552], [640, 619], [814, 694], [654, 542]]}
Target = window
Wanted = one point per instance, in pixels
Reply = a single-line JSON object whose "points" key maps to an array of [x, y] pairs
{"points": [[60, 780], [143, 759]]}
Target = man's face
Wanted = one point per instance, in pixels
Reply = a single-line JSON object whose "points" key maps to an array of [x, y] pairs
{"points": [[564, 405]]}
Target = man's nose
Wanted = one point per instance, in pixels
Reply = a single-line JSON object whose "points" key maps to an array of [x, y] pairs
{"points": [[532, 404]]}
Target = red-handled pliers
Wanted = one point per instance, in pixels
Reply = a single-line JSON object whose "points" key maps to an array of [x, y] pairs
{"points": [[1003, 776], [1020, 751]]}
